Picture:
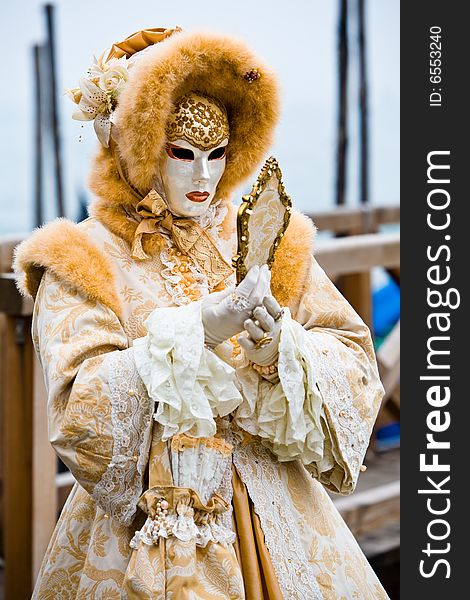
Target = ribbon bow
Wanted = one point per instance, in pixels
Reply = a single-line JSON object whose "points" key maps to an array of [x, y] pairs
{"points": [[188, 236], [140, 40]]}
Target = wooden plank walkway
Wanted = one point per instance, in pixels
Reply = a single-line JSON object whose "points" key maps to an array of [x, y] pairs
{"points": [[372, 512]]}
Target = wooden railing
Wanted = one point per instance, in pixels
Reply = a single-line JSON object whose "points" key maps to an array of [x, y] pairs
{"points": [[28, 466], [356, 219]]}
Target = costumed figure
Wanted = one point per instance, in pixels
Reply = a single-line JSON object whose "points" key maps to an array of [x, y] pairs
{"points": [[201, 420]]}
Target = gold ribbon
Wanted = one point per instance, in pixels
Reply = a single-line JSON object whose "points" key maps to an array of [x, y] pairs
{"points": [[139, 41], [188, 236]]}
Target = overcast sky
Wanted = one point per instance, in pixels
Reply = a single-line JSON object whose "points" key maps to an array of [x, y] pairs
{"points": [[298, 38]]}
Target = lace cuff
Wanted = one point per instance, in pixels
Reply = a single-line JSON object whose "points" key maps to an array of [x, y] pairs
{"points": [[309, 413], [118, 491], [285, 415], [190, 384]]}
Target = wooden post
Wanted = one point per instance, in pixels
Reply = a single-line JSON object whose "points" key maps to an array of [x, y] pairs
{"points": [[38, 212], [357, 290], [2, 428], [49, 8], [342, 141], [17, 452], [363, 107], [29, 509]]}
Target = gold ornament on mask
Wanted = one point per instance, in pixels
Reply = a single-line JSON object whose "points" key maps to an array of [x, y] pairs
{"points": [[200, 120]]}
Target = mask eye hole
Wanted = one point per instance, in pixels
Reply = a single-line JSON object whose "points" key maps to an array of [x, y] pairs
{"points": [[178, 153], [218, 153]]}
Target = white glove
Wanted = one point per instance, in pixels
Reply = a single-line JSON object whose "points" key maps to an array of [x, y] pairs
{"points": [[225, 317], [266, 322]]}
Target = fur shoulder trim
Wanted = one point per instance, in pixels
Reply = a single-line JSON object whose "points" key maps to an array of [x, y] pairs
{"points": [[292, 260], [64, 249]]}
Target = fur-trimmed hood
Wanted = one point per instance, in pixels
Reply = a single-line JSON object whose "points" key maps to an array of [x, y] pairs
{"points": [[212, 64], [67, 250]]}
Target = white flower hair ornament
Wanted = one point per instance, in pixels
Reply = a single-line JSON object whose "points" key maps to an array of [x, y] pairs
{"points": [[98, 93]]}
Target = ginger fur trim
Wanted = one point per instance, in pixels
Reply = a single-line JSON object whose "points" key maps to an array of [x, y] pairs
{"points": [[64, 249], [289, 273]]}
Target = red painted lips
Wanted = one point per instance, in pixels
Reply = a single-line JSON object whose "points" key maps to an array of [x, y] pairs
{"points": [[197, 196]]}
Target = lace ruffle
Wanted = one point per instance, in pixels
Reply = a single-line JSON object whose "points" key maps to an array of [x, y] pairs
{"points": [[185, 529], [286, 415], [180, 512], [290, 416], [118, 491], [189, 383]]}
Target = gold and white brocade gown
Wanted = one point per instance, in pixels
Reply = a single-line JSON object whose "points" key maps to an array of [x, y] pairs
{"points": [[307, 429]]}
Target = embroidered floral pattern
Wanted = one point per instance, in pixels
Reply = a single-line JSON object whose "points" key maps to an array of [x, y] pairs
{"points": [[183, 281], [131, 412], [199, 119]]}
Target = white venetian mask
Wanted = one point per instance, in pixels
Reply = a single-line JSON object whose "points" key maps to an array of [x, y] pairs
{"points": [[197, 135], [190, 176]]}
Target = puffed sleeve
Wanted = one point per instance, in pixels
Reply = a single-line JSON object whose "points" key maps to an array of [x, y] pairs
{"points": [[100, 415], [323, 405]]}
